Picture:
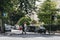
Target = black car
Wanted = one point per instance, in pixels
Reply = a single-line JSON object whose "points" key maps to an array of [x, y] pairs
{"points": [[36, 29], [31, 28], [41, 30]]}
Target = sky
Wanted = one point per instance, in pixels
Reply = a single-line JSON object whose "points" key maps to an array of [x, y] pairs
{"points": [[41, 1]]}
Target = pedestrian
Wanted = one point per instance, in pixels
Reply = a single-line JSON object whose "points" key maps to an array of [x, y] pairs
{"points": [[24, 27]]}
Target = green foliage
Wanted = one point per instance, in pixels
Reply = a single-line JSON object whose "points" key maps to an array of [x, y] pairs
{"points": [[58, 19], [48, 8], [34, 22], [24, 19], [19, 8], [27, 5], [22, 7], [5, 5]]}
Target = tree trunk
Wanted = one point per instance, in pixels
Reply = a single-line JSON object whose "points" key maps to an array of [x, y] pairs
{"points": [[2, 23]]}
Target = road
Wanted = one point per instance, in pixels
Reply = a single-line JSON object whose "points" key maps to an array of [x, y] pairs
{"points": [[30, 37], [16, 35]]}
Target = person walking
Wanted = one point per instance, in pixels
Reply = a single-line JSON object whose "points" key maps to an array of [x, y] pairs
{"points": [[24, 28]]}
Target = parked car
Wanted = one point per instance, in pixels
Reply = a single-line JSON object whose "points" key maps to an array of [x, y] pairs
{"points": [[17, 27], [37, 29], [41, 29], [31, 28], [9, 27]]}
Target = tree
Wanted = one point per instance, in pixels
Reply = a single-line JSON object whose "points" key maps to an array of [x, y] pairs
{"points": [[34, 22], [5, 5], [22, 7], [58, 19], [24, 19], [17, 8], [47, 12], [27, 5]]}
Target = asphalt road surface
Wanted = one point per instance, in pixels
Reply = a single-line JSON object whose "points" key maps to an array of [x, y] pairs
{"points": [[16, 35]]}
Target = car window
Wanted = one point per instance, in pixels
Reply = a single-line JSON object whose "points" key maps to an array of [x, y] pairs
{"points": [[42, 27]]}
